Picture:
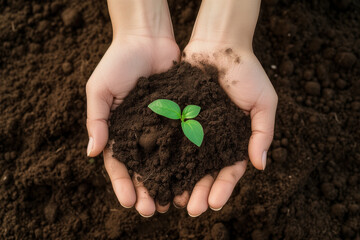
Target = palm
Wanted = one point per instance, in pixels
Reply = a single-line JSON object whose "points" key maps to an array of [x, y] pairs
{"points": [[244, 79], [123, 64]]}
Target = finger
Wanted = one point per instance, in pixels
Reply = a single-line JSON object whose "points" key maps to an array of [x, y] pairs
{"points": [[224, 184], [162, 209], [180, 201], [99, 101], [198, 202], [145, 205], [262, 127], [120, 179]]}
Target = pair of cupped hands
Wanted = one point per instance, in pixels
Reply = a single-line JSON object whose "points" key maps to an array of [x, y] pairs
{"points": [[133, 56]]}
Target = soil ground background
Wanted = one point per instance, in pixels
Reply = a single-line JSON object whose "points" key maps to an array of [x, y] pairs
{"points": [[49, 189]]}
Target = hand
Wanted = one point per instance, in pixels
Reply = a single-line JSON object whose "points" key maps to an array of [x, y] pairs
{"points": [[247, 85], [127, 59]]}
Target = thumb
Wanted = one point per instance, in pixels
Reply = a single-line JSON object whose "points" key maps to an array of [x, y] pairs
{"points": [[99, 101], [262, 127]]}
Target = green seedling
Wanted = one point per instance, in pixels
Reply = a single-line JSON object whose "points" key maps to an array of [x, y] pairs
{"points": [[191, 128]]}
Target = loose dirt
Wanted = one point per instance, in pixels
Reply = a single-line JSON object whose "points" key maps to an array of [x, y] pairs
{"points": [[155, 147], [49, 189]]}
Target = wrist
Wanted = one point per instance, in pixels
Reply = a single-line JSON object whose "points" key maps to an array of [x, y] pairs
{"points": [[146, 18], [229, 22]]}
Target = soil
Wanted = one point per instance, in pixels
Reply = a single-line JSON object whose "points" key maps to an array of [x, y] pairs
{"points": [[155, 147], [49, 189]]}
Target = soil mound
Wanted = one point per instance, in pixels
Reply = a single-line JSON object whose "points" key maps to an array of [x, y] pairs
{"points": [[156, 148]]}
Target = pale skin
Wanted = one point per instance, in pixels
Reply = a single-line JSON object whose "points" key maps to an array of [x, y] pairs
{"points": [[144, 44]]}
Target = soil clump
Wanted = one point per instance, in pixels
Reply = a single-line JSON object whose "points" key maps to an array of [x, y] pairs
{"points": [[156, 148]]}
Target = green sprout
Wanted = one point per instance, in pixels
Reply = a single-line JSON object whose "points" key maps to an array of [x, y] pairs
{"points": [[191, 128]]}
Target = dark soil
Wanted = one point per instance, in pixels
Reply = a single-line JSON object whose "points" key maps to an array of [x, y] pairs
{"points": [[49, 189], [155, 147]]}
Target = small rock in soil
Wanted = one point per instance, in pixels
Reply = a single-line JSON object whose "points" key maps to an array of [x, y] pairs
{"points": [[148, 141], [313, 119], [9, 156], [13, 155], [286, 68], [313, 88], [329, 191], [219, 232], [51, 211], [83, 188], [299, 99], [38, 233], [354, 208], [67, 67], [258, 235], [308, 74], [321, 72], [259, 210], [346, 59], [332, 139], [284, 142], [279, 155], [186, 15], [341, 84], [338, 210], [43, 25], [36, 8], [55, 6], [276, 143], [328, 93], [71, 17], [353, 180], [6, 178]]}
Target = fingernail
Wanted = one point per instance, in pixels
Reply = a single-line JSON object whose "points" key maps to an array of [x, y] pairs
{"points": [[126, 206], [146, 216], [90, 146], [264, 157], [215, 209], [162, 212], [176, 206], [194, 216], [165, 207]]}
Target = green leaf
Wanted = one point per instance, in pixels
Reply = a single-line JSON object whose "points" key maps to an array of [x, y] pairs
{"points": [[193, 131], [166, 108], [190, 111]]}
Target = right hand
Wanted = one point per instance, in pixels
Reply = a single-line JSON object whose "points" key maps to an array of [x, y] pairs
{"points": [[127, 59], [246, 83]]}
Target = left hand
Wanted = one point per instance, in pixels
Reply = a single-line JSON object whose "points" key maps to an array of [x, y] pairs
{"points": [[248, 86], [127, 59]]}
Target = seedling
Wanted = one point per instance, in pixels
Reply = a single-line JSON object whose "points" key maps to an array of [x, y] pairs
{"points": [[191, 128]]}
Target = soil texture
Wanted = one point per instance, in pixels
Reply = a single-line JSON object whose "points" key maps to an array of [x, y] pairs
{"points": [[310, 188], [156, 148]]}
